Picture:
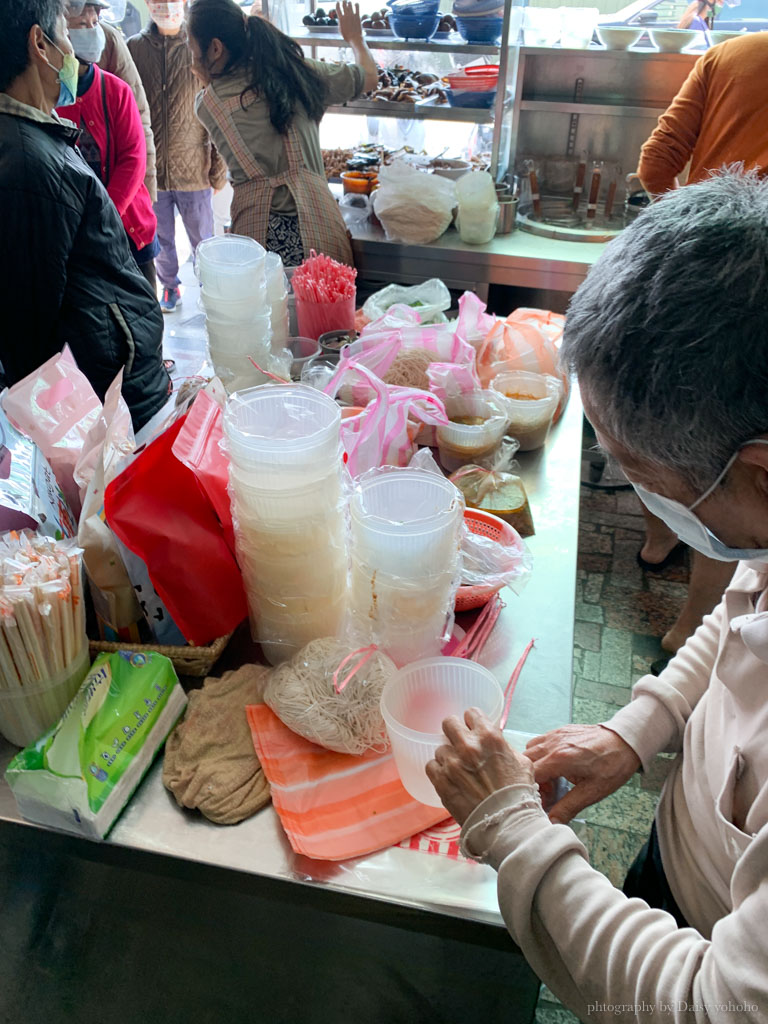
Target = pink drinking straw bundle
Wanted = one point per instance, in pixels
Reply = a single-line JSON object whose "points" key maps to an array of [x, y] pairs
{"points": [[325, 295]]}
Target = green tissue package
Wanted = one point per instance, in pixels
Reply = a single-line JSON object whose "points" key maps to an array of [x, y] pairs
{"points": [[80, 775]]}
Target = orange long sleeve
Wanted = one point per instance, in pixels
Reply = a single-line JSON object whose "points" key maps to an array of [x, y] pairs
{"points": [[720, 116]]}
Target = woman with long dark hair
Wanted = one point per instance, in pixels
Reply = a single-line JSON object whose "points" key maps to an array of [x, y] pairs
{"points": [[262, 105]]}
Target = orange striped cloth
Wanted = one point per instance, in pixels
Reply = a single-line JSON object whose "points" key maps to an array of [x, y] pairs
{"points": [[334, 806]]}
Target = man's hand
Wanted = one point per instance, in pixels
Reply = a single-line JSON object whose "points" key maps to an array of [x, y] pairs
{"points": [[596, 760], [349, 22], [475, 763]]}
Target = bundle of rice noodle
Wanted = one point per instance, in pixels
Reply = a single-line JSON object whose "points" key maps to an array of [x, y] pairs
{"points": [[409, 369], [302, 694]]}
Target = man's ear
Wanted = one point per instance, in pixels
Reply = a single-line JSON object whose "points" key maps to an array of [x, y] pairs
{"points": [[36, 45], [755, 455]]}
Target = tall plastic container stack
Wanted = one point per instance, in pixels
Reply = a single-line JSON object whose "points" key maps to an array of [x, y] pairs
{"points": [[277, 298], [405, 539], [232, 272], [287, 489]]}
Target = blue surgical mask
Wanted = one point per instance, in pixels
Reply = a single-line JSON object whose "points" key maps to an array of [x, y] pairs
{"points": [[88, 43], [67, 73], [689, 528]]}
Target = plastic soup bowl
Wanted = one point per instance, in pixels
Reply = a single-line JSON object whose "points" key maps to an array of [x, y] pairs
{"points": [[531, 417], [414, 704], [406, 522], [282, 427], [460, 443], [230, 266]]}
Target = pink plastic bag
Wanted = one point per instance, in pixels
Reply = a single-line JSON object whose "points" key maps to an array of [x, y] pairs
{"points": [[384, 434], [527, 340], [56, 407]]}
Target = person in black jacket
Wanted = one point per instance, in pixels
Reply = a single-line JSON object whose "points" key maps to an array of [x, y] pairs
{"points": [[67, 275]]}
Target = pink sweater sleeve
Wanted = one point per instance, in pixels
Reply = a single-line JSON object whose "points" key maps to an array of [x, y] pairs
{"points": [[672, 143], [127, 176]]}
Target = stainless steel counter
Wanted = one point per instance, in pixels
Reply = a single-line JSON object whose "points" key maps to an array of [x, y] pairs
{"points": [[389, 909], [518, 259]]}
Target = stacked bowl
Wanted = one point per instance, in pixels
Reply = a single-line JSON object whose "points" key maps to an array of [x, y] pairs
{"points": [[415, 19], [405, 538], [277, 299], [286, 484], [232, 272]]}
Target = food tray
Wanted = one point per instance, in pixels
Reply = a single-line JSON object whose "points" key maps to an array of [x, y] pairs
{"points": [[381, 33], [188, 661], [326, 30]]}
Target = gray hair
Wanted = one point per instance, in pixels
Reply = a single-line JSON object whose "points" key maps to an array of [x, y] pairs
{"points": [[669, 332]]}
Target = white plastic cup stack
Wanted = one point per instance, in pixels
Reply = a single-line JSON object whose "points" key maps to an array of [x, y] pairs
{"points": [[405, 537], [277, 297], [232, 270], [286, 486]]}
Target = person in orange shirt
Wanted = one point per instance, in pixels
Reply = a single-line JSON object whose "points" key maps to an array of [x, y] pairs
{"points": [[719, 117]]}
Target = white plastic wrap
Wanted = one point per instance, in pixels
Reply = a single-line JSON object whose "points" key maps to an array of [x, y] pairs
{"points": [[413, 206], [430, 300]]}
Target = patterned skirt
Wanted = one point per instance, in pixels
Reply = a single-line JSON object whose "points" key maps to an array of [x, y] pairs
{"points": [[284, 238]]}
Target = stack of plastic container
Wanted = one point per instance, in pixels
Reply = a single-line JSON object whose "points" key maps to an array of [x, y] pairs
{"points": [[277, 299], [286, 484], [405, 539], [232, 271]]}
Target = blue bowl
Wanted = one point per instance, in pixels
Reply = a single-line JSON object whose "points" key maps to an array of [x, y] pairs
{"points": [[476, 100], [423, 27], [480, 30], [414, 8]]}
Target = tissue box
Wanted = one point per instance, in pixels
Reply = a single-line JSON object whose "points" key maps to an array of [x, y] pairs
{"points": [[81, 773]]}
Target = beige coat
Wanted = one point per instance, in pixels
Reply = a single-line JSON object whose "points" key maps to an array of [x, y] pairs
{"points": [[117, 60], [613, 959], [187, 160]]}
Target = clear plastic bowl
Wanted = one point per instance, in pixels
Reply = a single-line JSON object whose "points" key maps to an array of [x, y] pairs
{"points": [[302, 350], [278, 427], [461, 443], [414, 704], [240, 339], [529, 418], [229, 266], [277, 282], [240, 310], [289, 504], [406, 522]]}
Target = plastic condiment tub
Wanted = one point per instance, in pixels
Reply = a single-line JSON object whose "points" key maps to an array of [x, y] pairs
{"points": [[414, 704], [282, 429], [461, 443], [238, 310], [406, 522], [302, 350], [530, 414], [230, 266], [239, 338]]}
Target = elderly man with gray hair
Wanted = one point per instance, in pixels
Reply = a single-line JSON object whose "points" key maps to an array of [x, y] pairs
{"points": [[669, 338]]}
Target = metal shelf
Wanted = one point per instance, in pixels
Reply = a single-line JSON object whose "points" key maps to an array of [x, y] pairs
{"points": [[615, 109], [405, 46], [415, 111]]}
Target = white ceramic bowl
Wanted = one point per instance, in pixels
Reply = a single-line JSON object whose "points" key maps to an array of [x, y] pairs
{"points": [[672, 40], [456, 169], [619, 37], [723, 36]]}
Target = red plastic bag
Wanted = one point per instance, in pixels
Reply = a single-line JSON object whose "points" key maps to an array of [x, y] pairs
{"points": [[158, 509]]}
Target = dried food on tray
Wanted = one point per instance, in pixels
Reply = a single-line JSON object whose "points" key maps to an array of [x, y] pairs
{"points": [[335, 161]]}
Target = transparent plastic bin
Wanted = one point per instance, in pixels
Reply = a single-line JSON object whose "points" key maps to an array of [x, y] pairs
{"points": [[29, 711], [461, 443], [282, 429], [241, 310], [529, 418], [230, 266], [414, 704], [406, 522]]}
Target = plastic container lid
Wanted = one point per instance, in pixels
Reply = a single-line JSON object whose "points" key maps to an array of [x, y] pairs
{"points": [[285, 425], [230, 252], [417, 699]]}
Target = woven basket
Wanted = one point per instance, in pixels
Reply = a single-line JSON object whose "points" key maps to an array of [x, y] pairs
{"points": [[486, 525], [188, 661]]}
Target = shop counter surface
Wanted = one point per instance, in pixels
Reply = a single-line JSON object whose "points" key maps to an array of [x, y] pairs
{"points": [[384, 915], [518, 259]]}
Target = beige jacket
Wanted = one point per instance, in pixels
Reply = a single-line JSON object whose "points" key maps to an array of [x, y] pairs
{"points": [[613, 959], [117, 60], [187, 160]]}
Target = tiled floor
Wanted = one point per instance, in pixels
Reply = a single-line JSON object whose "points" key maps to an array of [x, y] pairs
{"points": [[620, 615]]}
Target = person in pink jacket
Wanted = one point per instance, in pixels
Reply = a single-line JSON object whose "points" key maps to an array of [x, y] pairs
{"points": [[112, 138]]}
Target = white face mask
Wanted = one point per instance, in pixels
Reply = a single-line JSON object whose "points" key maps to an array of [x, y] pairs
{"points": [[169, 16], [88, 43], [689, 527]]}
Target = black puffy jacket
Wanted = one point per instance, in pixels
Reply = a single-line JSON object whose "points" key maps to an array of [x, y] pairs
{"points": [[67, 275]]}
